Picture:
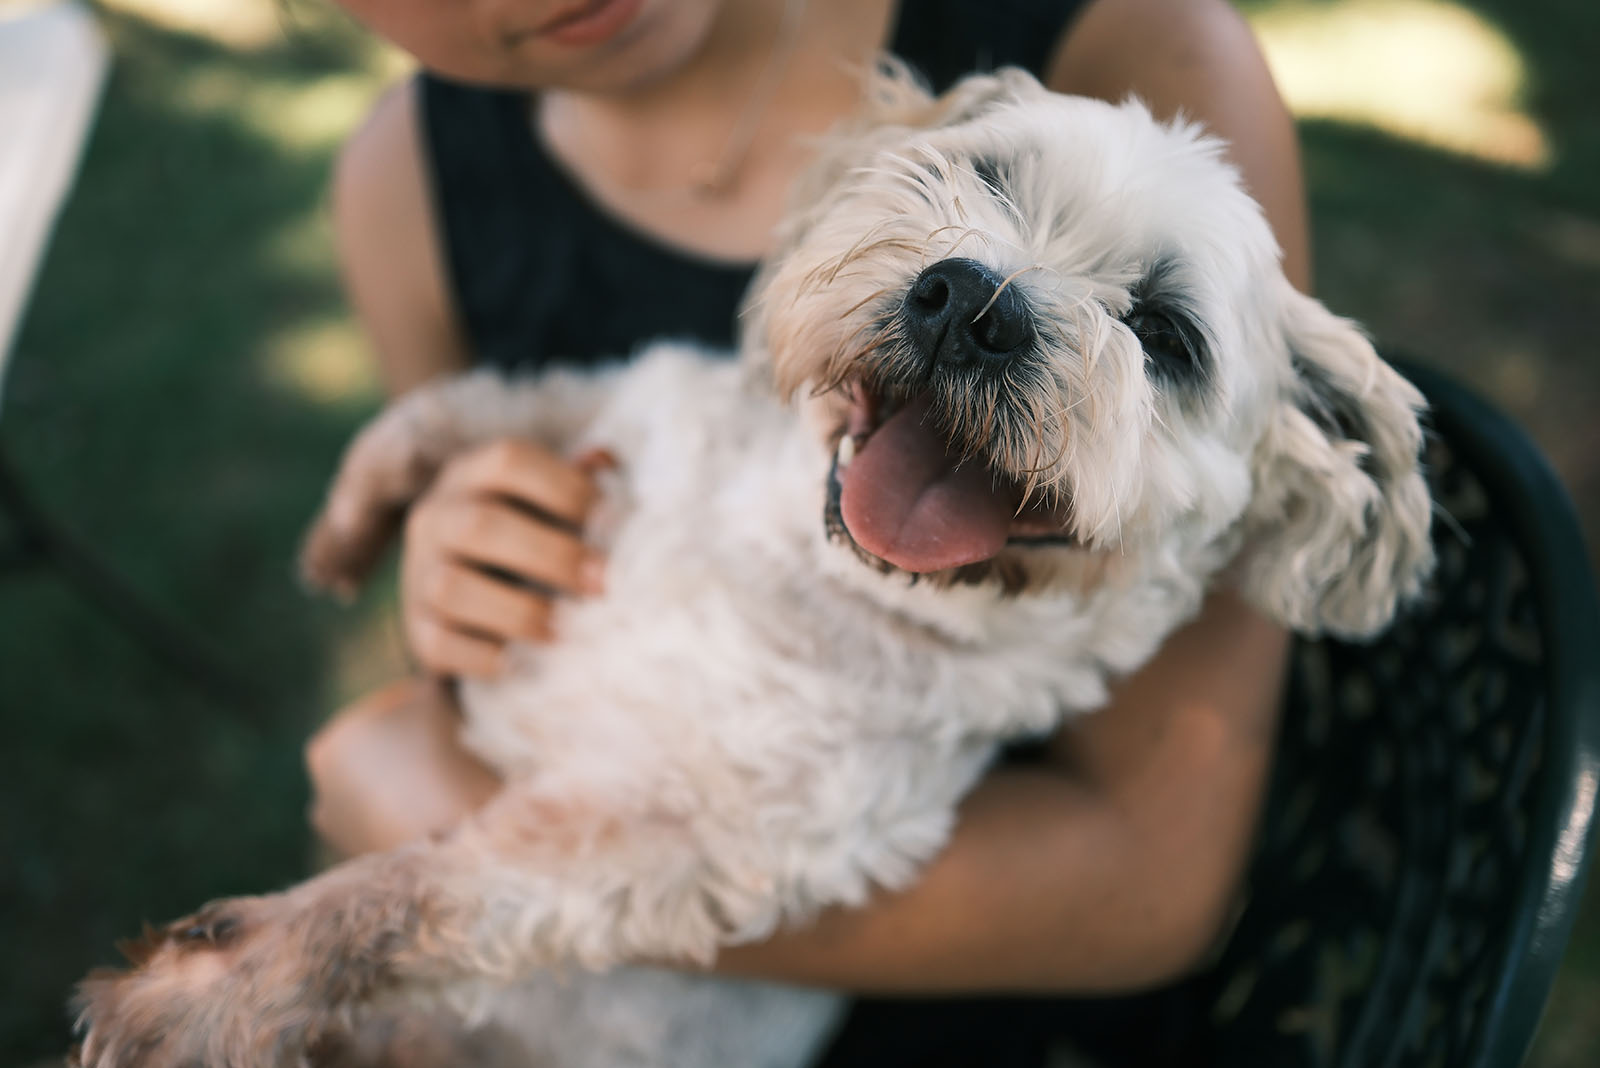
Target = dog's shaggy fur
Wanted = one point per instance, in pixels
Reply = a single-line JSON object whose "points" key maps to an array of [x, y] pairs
{"points": [[767, 714]]}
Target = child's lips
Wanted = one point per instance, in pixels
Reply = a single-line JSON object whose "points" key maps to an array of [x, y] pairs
{"points": [[589, 23]]}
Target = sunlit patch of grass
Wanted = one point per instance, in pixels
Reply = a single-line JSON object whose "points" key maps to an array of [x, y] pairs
{"points": [[1431, 71], [257, 25], [325, 362], [319, 115], [304, 115], [246, 24]]}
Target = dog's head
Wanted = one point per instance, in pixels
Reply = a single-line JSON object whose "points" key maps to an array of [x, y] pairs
{"points": [[1034, 329]]}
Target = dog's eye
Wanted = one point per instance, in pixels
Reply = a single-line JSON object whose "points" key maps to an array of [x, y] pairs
{"points": [[1163, 342]]}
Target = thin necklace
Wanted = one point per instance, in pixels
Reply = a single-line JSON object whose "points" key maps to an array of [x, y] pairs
{"points": [[715, 178]]}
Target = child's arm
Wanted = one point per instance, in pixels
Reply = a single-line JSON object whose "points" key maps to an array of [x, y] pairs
{"points": [[1111, 866], [389, 255], [481, 508]]}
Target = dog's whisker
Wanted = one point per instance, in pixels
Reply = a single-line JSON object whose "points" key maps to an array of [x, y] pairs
{"points": [[1052, 273], [1024, 497], [1096, 337], [864, 301], [837, 373], [939, 161], [1052, 464], [901, 243], [1116, 512], [937, 230], [856, 249], [899, 177], [1452, 522], [1001, 288], [824, 386], [883, 335], [966, 232]]}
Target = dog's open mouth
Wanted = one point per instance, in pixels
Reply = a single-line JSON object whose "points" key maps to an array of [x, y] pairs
{"points": [[906, 496]]}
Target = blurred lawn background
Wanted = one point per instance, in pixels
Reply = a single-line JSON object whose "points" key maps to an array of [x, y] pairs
{"points": [[188, 372]]}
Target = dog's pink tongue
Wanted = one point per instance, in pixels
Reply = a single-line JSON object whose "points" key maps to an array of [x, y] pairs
{"points": [[907, 499]]}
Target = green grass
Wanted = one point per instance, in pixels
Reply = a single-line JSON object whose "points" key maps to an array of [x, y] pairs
{"points": [[150, 403], [144, 405]]}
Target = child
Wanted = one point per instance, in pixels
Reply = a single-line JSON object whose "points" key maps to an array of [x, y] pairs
{"points": [[571, 178]]}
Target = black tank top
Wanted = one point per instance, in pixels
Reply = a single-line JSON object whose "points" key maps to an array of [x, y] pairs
{"points": [[540, 273]]}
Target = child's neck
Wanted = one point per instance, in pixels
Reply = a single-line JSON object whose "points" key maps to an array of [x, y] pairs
{"points": [[661, 136]]}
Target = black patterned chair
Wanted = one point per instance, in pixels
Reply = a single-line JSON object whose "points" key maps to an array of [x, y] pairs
{"points": [[1423, 845], [1432, 811]]}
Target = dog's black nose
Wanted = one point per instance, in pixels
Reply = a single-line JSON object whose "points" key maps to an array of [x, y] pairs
{"points": [[954, 318]]}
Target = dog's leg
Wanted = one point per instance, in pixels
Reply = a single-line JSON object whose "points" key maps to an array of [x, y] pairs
{"points": [[528, 883], [396, 457]]}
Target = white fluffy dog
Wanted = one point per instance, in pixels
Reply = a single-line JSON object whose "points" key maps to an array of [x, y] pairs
{"points": [[1023, 380]]}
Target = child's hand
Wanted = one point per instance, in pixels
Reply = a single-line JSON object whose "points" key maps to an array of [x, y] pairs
{"points": [[487, 547]]}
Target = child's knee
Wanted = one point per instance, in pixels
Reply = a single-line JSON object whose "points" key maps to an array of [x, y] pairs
{"points": [[389, 769]]}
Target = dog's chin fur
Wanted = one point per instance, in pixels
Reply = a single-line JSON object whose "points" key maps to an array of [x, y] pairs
{"points": [[759, 719]]}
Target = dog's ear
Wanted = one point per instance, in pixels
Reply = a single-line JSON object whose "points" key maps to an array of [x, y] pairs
{"points": [[1338, 529]]}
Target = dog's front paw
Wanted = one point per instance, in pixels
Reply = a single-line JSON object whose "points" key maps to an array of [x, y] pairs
{"points": [[387, 466], [221, 988], [343, 545]]}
